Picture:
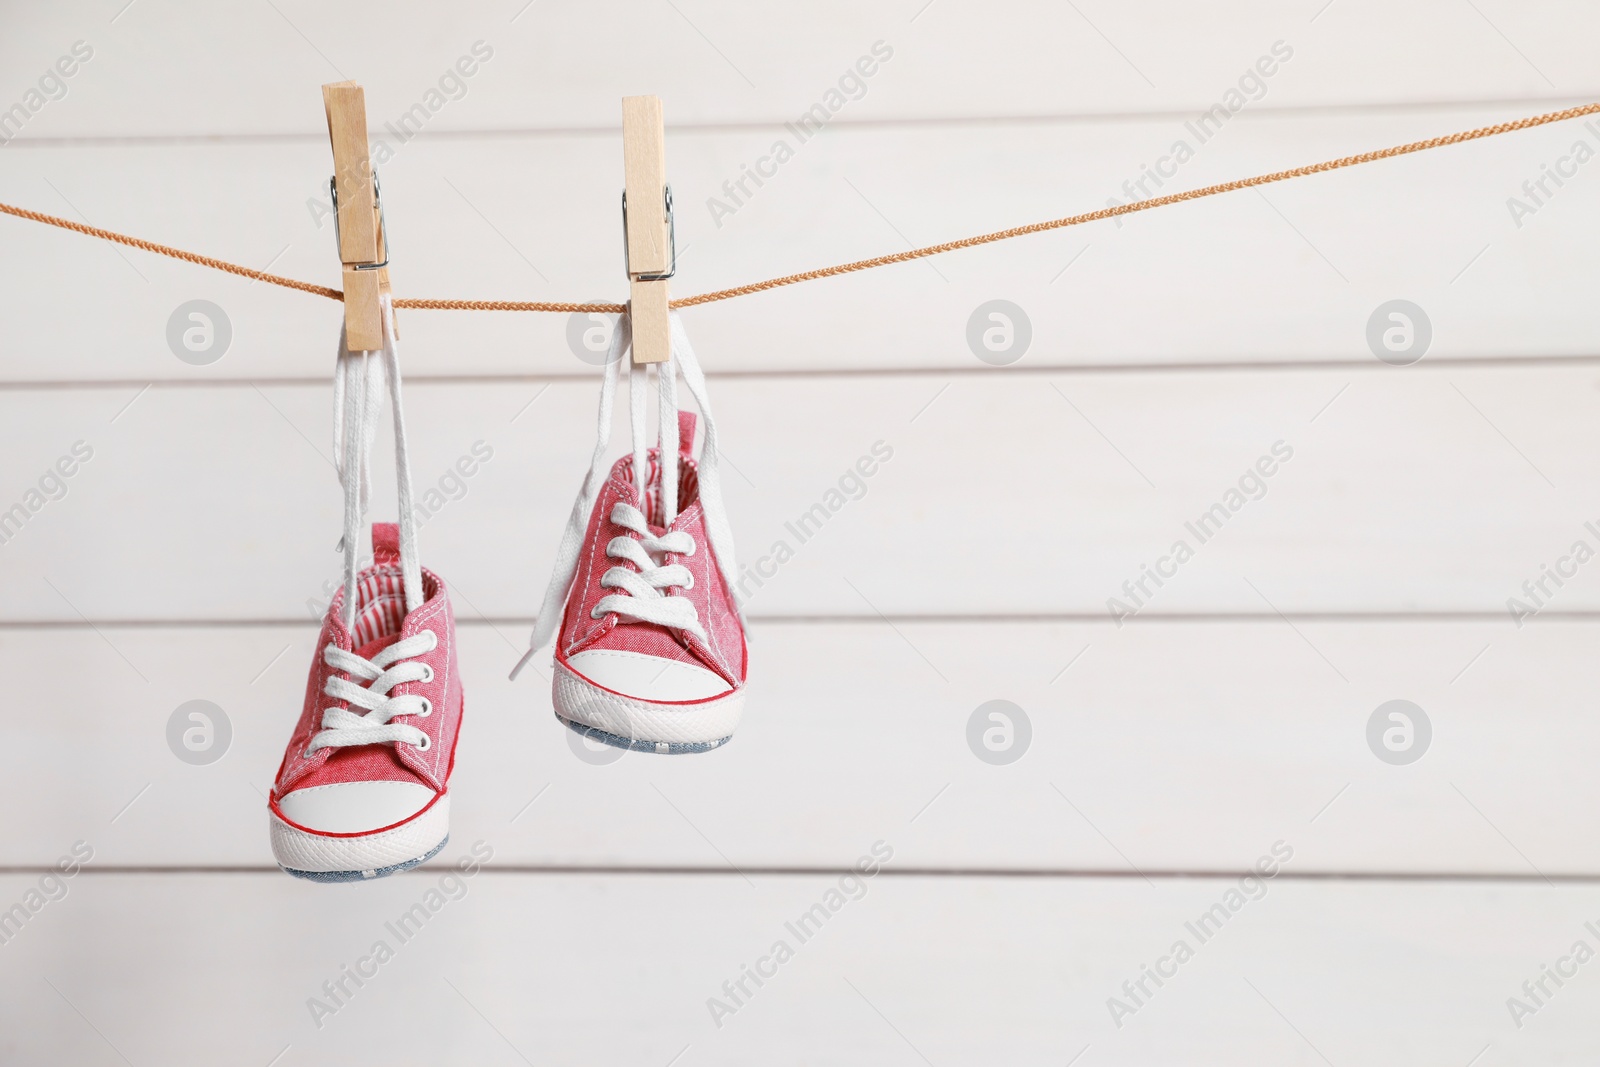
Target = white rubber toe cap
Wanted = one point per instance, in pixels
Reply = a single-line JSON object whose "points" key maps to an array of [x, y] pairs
{"points": [[648, 677], [354, 807]]}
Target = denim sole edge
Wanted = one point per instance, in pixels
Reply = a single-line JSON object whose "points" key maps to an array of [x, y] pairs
{"points": [[664, 748], [366, 876]]}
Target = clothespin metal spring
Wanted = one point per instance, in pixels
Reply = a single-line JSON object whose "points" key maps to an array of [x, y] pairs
{"points": [[672, 241], [383, 220]]}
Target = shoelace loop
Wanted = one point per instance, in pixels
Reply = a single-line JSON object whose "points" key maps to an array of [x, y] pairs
{"points": [[642, 598], [342, 727]]}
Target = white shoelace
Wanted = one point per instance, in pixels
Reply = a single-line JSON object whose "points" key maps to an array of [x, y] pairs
{"points": [[358, 388], [634, 598], [641, 597], [342, 727]]}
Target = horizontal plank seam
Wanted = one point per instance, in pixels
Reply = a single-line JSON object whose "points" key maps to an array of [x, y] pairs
{"points": [[1046, 873], [1367, 364], [1291, 111]]}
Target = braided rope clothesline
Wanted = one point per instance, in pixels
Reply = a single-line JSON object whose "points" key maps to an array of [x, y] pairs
{"points": [[842, 268]]}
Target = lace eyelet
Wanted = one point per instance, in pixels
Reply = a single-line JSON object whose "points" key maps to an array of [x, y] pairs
{"points": [[427, 708], [429, 676], [427, 743]]}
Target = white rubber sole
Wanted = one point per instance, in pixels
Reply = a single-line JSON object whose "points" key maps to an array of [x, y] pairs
{"points": [[641, 725], [325, 858]]}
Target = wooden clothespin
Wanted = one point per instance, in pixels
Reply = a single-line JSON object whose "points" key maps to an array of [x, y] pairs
{"points": [[358, 216], [651, 242]]}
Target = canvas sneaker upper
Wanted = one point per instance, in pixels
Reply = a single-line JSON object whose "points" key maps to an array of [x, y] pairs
{"points": [[650, 614], [375, 742]]}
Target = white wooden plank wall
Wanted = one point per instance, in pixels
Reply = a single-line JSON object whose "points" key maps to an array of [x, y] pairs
{"points": [[1228, 716]]}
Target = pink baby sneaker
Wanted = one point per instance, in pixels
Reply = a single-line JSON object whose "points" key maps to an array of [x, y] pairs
{"points": [[651, 652], [363, 789]]}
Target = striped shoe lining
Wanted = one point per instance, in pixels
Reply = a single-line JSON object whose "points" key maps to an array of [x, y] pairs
{"points": [[688, 487], [380, 605]]}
